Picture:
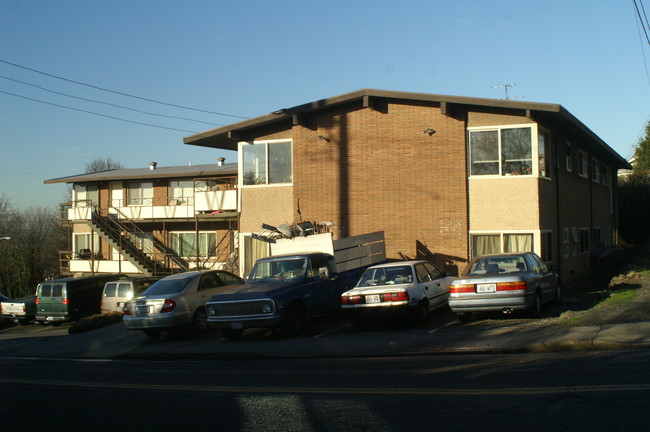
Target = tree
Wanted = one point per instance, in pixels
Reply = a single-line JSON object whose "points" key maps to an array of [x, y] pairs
{"points": [[642, 153], [102, 164]]}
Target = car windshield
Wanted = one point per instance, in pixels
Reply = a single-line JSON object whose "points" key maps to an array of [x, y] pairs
{"points": [[278, 269], [386, 276], [496, 265], [168, 286]]}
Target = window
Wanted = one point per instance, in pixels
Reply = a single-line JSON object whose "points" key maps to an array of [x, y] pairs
{"points": [[595, 171], [517, 242], [574, 235], [86, 195], [569, 158], [140, 193], [483, 244], [606, 177], [565, 242], [584, 240], [582, 163], [266, 163], [185, 244], [143, 241], [544, 153], [547, 246], [501, 152], [181, 192], [86, 241]]}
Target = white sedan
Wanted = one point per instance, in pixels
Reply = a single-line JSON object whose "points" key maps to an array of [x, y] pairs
{"points": [[404, 288]]}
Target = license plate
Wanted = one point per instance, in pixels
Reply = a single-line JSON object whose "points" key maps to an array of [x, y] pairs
{"points": [[372, 299], [486, 288], [143, 309], [50, 319], [237, 325]]}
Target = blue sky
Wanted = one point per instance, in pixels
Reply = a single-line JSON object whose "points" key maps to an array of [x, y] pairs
{"points": [[249, 58]]}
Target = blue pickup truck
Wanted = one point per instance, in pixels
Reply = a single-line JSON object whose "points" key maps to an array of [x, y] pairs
{"points": [[281, 293]]}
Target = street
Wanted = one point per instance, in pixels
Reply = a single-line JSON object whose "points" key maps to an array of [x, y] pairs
{"points": [[561, 391]]}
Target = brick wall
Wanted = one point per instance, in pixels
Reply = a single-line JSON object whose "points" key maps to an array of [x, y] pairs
{"points": [[379, 171]]}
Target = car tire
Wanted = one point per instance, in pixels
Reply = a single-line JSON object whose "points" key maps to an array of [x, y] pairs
{"points": [[536, 309], [232, 334], [294, 320], [464, 316], [152, 333], [421, 313], [200, 321]]}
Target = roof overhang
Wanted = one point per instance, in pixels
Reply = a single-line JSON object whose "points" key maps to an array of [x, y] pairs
{"points": [[227, 137]]}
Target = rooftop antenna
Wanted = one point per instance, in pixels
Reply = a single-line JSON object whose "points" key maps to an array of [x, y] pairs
{"points": [[505, 87]]}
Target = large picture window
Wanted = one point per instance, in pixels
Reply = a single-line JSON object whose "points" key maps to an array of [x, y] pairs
{"points": [[266, 163], [506, 151], [140, 193], [181, 192]]}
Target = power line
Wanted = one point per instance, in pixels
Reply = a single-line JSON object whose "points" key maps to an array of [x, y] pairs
{"points": [[643, 24], [118, 92], [107, 103], [97, 114]]}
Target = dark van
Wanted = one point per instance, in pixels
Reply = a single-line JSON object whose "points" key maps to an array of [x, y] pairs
{"points": [[118, 292], [68, 299]]}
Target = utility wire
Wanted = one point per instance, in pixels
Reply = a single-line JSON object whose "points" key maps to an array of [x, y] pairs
{"points": [[118, 92], [108, 103], [97, 114], [643, 24]]}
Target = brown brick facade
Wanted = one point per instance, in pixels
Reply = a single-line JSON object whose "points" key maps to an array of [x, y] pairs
{"points": [[379, 171]]}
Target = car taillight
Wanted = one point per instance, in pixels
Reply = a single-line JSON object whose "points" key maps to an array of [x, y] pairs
{"points": [[351, 300], [511, 286], [65, 301], [127, 311], [396, 296], [38, 300], [168, 306], [460, 288]]}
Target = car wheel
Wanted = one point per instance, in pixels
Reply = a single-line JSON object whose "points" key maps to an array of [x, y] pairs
{"points": [[200, 321], [152, 333], [464, 316], [294, 319], [536, 310], [421, 313]]}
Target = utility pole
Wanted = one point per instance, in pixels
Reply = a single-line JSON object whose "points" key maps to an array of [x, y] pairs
{"points": [[505, 87]]}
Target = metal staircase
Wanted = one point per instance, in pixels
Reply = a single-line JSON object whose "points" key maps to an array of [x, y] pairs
{"points": [[119, 234]]}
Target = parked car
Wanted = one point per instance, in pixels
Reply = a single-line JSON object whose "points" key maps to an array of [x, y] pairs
{"points": [[177, 301], [68, 299], [21, 310], [117, 293], [407, 289], [504, 282]]}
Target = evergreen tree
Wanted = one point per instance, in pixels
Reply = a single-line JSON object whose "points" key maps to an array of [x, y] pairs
{"points": [[642, 153]]}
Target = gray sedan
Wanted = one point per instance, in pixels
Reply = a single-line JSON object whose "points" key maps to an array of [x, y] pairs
{"points": [[503, 282], [177, 301]]}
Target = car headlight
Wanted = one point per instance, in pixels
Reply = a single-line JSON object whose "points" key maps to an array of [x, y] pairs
{"points": [[266, 308], [212, 311]]}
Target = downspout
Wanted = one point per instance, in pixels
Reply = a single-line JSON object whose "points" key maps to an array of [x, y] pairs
{"points": [[467, 196], [558, 231]]}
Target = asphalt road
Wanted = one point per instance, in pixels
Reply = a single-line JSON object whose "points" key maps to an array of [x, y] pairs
{"points": [[522, 392]]}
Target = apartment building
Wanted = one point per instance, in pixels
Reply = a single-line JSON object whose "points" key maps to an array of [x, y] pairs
{"points": [[153, 221], [445, 177]]}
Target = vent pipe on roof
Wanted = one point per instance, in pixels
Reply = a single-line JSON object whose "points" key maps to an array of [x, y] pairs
{"points": [[220, 160], [152, 165]]}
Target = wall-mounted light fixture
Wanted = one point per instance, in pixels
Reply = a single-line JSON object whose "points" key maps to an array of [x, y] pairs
{"points": [[430, 131], [324, 138]]}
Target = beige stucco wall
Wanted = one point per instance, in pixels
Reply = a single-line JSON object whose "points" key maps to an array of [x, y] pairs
{"points": [[272, 205], [504, 204]]}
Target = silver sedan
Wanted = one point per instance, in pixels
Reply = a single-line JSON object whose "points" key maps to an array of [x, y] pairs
{"points": [[177, 301], [503, 282]]}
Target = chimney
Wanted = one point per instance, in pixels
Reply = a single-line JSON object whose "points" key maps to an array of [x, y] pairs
{"points": [[152, 165], [220, 160]]}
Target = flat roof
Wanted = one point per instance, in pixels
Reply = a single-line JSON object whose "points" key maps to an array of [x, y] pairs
{"points": [[194, 171], [227, 137]]}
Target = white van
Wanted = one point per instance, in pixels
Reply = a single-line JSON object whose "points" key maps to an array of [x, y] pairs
{"points": [[118, 292]]}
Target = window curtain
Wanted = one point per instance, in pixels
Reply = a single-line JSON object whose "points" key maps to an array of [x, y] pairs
{"points": [[485, 244], [517, 242]]}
